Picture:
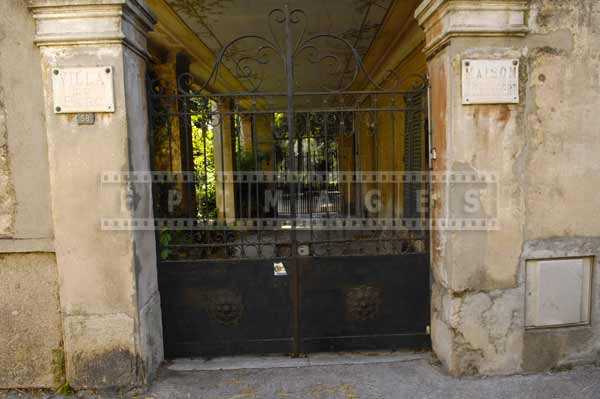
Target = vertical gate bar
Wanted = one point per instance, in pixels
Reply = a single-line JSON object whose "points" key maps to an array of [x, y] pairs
{"points": [[406, 163], [309, 173], [325, 131], [356, 166], [183, 154], [236, 158], [427, 245], [151, 146], [377, 165], [428, 168], [170, 135], [255, 176], [394, 181], [292, 168], [205, 161], [394, 163], [185, 133], [337, 156], [170, 184], [349, 185], [220, 149], [222, 117], [236, 176], [299, 165], [274, 182]]}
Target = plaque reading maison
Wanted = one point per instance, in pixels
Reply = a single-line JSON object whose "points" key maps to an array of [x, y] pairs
{"points": [[81, 90], [490, 81]]}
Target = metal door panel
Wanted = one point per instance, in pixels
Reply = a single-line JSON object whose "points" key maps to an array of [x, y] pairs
{"points": [[224, 307], [371, 302]]}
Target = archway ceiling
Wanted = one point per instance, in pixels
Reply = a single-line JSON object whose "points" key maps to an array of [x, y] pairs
{"points": [[218, 22]]}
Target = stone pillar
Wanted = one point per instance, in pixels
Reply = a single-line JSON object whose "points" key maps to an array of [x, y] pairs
{"points": [[108, 287], [477, 294]]}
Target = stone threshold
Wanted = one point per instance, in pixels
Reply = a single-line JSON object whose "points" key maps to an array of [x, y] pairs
{"points": [[284, 361]]}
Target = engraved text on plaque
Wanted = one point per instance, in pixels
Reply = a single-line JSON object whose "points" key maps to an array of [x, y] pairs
{"points": [[490, 81], [81, 90]]}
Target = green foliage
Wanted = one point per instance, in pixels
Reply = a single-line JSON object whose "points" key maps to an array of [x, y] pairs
{"points": [[204, 164], [65, 390], [165, 236], [172, 243], [280, 119], [246, 160]]}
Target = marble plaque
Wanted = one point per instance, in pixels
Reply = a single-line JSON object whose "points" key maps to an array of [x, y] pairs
{"points": [[490, 81], [81, 90]]}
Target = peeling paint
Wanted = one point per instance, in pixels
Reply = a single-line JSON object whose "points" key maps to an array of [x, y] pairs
{"points": [[544, 150], [7, 191]]}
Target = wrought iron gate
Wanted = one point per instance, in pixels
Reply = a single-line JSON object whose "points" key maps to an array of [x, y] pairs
{"points": [[287, 220]]}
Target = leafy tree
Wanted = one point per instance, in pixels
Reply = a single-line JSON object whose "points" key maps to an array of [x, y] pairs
{"points": [[204, 165]]}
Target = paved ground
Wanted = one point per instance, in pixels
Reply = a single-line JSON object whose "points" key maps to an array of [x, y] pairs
{"points": [[350, 377]]}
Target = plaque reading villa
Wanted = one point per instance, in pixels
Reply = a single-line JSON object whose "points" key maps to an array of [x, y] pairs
{"points": [[81, 90], [490, 81]]}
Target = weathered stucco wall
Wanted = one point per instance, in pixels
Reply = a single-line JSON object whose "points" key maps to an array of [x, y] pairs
{"points": [[477, 296], [7, 190], [563, 119], [107, 277], [561, 160], [30, 335], [26, 205], [148, 315], [544, 152], [91, 314], [108, 291], [30, 320]]}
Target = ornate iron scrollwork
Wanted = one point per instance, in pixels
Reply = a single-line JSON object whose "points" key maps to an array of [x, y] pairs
{"points": [[319, 129], [248, 65]]}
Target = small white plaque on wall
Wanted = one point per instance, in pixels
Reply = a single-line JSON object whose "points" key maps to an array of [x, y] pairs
{"points": [[81, 90], [490, 81]]}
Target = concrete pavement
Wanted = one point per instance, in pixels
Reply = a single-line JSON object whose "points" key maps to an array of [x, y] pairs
{"points": [[366, 377], [343, 376]]}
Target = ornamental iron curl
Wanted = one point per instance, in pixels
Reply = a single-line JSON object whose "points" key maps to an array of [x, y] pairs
{"points": [[250, 66]]}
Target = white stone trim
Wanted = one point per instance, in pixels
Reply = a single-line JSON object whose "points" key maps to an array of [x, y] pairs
{"points": [[444, 19], [77, 22]]}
